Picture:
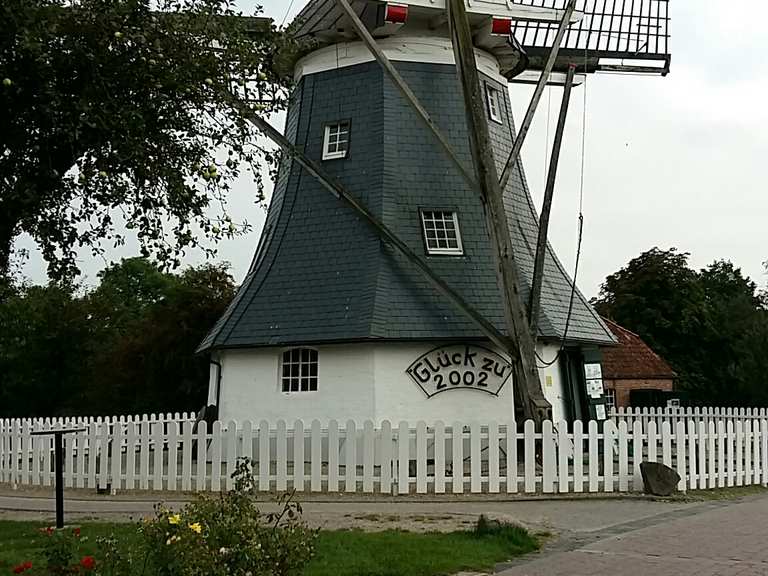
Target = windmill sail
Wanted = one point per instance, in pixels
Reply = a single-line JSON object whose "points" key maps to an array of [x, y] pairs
{"points": [[612, 36]]}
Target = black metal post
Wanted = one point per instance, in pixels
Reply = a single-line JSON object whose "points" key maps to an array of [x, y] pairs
{"points": [[59, 464]]}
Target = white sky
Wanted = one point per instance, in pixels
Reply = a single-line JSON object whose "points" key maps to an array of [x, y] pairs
{"points": [[676, 161]]}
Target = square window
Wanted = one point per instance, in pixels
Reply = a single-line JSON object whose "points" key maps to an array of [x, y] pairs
{"points": [[336, 141], [493, 98], [441, 232], [299, 372]]}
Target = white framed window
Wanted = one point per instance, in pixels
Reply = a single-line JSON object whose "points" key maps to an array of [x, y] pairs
{"points": [[441, 232], [336, 141], [493, 99], [299, 370], [610, 400]]}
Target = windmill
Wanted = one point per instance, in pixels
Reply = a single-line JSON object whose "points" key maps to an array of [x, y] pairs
{"points": [[428, 246]]}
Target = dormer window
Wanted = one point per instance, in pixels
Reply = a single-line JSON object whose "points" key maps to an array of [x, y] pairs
{"points": [[441, 232], [493, 99], [336, 141], [299, 370]]}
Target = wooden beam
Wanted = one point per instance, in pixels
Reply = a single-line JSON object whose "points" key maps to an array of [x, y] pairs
{"points": [[406, 91], [331, 185], [526, 125], [522, 345], [534, 303]]}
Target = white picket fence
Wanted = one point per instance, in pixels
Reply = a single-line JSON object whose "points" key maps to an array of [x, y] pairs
{"points": [[169, 454], [673, 415]]}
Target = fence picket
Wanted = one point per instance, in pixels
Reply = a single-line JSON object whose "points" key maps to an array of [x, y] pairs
{"points": [[739, 452], [186, 457], [265, 457], [609, 434], [369, 452], [511, 458], [623, 439], [578, 456], [493, 458], [637, 452], [756, 460], [69, 461], [36, 444], [529, 439], [764, 448], [350, 457], [116, 457], [282, 456], [475, 478], [653, 441], [439, 457], [457, 457], [201, 443], [548, 464], [216, 450], [421, 458], [711, 453], [403, 458], [333, 456], [593, 463], [681, 455], [563, 445], [298, 455], [172, 445], [144, 454], [385, 486], [316, 457]]}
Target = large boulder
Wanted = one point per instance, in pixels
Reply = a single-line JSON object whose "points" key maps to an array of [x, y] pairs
{"points": [[658, 479]]}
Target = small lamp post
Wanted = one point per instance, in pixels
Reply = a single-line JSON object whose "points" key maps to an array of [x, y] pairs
{"points": [[58, 453]]}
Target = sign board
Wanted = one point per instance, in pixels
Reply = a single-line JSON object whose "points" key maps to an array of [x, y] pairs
{"points": [[600, 412], [595, 388], [460, 367], [593, 371]]}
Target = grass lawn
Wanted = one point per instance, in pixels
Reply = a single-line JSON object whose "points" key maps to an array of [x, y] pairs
{"points": [[339, 553]]}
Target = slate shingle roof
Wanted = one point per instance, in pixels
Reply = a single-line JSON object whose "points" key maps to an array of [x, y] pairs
{"points": [[321, 275], [633, 359]]}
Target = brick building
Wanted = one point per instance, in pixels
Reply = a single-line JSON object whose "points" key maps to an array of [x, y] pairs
{"points": [[632, 365]]}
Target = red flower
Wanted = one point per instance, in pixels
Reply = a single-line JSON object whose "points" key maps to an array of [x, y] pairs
{"points": [[76, 532], [88, 562], [22, 567]]}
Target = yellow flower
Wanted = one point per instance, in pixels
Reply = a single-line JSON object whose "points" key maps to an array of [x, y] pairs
{"points": [[175, 519], [196, 527]]}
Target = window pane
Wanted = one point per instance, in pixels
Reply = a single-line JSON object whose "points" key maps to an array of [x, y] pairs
{"points": [[299, 370]]}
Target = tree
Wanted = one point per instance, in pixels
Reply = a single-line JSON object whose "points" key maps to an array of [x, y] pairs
{"points": [[710, 325], [127, 346], [43, 348], [145, 360], [659, 297], [115, 114]]}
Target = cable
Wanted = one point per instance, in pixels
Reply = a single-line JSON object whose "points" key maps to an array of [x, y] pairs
{"points": [[290, 5], [544, 363]]}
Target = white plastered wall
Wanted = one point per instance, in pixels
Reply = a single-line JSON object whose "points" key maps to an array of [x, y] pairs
{"points": [[361, 382], [552, 381], [250, 387]]}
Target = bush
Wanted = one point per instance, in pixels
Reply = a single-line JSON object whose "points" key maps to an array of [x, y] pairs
{"points": [[215, 535], [227, 535]]}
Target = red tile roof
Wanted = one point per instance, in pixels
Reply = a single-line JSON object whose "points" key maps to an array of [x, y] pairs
{"points": [[632, 358]]}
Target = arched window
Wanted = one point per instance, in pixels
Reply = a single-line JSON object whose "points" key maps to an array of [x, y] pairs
{"points": [[299, 370]]}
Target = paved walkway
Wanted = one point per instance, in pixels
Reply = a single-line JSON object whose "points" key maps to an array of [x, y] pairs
{"points": [[715, 539]]}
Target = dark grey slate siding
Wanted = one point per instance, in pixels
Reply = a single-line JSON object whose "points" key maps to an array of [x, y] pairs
{"points": [[321, 275]]}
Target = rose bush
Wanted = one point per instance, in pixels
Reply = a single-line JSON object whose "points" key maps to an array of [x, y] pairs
{"points": [[215, 535]]}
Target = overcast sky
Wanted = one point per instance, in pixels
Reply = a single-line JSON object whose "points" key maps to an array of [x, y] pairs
{"points": [[677, 161]]}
